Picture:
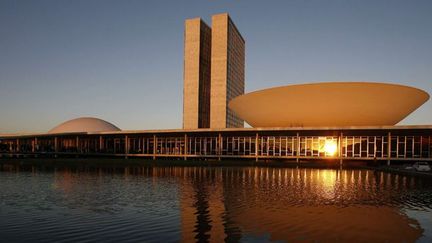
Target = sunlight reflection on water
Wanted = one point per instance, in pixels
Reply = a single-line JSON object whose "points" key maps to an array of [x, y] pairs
{"points": [[214, 204]]}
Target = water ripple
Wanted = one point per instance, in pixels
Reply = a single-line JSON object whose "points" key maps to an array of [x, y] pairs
{"points": [[170, 204]]}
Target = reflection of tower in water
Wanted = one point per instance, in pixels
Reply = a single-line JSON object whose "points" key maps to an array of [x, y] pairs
{"points": [[204, 216], [230, 204]]}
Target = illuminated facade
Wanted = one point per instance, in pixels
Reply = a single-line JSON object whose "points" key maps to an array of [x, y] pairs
{"points": [[383, 143], [214, 62], [196, 87], [227, 76]]}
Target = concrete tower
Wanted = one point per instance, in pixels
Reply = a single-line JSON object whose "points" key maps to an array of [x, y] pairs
{"points": [[196, 87], [214, 62], [227, 76]]}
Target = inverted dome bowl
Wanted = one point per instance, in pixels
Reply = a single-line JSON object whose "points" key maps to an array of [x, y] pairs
{"points": [[329, 104]]}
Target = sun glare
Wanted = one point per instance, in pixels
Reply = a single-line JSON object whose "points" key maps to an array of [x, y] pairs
{"points": [[330, 147]]}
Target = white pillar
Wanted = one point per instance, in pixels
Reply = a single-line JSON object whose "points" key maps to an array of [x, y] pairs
{"points": [[388, 148]]}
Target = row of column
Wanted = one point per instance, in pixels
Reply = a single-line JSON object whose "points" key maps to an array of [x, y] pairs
{"points": [[127, 143]]}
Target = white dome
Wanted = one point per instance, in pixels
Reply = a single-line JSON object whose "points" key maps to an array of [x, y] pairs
{"points": [[84, 124]]}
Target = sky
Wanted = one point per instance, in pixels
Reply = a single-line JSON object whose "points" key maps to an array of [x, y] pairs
{"points": [[122, 61]]}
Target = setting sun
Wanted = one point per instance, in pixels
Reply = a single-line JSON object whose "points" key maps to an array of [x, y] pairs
{"points": [[330, 147]]}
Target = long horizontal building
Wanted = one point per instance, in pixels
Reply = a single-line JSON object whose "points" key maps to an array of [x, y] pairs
{"points": [[385, 143]]}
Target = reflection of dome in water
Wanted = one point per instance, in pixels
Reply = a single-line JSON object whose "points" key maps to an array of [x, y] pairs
{"points": [[84, 124], [329, 104]]}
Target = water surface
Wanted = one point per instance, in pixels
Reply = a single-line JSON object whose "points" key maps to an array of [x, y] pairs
{"points": [[213, 204]]}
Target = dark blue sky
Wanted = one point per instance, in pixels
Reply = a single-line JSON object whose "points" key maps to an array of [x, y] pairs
{"points": [[123, 60]]}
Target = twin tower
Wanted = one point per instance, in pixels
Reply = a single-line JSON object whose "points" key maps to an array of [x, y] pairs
{"points": [[214, 72]]}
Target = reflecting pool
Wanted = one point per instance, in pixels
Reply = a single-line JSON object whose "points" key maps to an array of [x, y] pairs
{"points": [[213, 204]]}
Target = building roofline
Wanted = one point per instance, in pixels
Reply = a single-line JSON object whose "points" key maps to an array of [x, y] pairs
{"points": [[257, 129], [198, 19], [232, 22]]}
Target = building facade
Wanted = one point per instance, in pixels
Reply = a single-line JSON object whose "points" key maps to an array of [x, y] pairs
{"points": [[227, 76], [214, 62], [379, 144], [196, 87]]}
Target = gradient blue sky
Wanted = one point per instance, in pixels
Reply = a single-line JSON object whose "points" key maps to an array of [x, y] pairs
{"points": [[122, 61]]}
